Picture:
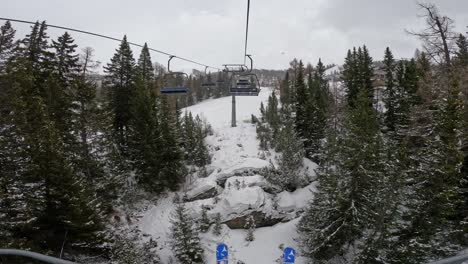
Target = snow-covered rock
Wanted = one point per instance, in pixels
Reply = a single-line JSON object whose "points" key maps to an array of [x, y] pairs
{"points": [[237, 201], [202, 190], [295, 201]]}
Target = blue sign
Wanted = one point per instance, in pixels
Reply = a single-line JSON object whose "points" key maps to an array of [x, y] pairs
{"points": [[222, 253], [289, 255]]}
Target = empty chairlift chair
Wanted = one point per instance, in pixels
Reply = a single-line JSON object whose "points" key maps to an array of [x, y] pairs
{"points": [[208, 83], [173, 82], [246, 84]]}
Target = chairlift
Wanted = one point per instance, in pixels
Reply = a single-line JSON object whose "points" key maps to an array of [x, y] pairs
{"points": [[208, 83], [245, 83], [221, 77], [177, 79]]}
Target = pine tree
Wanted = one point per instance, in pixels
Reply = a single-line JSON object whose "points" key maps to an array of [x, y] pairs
{"points": [[59, 90], [85, 119], [272, 116], [301, 103], [127, 248], [65, 58], [204, 220], [35, 48], [367, 72], [57, 200], [172, 171], [343, 207], [316, 112], [217, 225], [250, 226], [7, 44], [185, 241], [202, 156], [350, 75], [289, 174], [285, 90], [390, 91], [120, 82], [145, 127], [145, 69], [358, 74], [462, 52], [423, 65]]}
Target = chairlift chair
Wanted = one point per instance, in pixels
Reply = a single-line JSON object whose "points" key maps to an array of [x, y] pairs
{"points": [[208, 83], [177, 78], [245, 84]]}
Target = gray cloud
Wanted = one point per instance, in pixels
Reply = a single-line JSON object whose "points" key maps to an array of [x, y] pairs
{"points": [[212, 31]]}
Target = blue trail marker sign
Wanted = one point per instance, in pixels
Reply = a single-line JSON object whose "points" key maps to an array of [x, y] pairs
{"points": [[289, 255], [222, 254]]}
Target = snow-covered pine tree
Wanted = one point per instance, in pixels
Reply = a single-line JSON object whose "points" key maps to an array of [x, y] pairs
{"points": [[250, 226], [302, 96], [217, 225], [432, 214], [127, 248], [188, 137], [290, 160], [358, 74], [87, 153], [204, 220], [185, 241], [317, 108], [202, 155], [344, 206], [272, 114]]}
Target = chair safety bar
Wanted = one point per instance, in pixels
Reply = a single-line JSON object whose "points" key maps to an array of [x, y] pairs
{"points": [[33, 255]]}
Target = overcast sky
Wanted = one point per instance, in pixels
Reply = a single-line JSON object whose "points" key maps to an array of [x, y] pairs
{"points": [[212, 31]]}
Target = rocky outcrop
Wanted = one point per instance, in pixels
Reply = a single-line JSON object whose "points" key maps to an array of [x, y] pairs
{"points": [[261, 220], [201, 192], [249, 171]]}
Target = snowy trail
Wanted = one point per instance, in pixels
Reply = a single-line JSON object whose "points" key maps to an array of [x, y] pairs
{"points": [[231, 149], [238, 146]]}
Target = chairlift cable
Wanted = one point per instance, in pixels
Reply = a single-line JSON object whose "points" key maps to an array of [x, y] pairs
{"points": [[111, 38], [246, 30]]}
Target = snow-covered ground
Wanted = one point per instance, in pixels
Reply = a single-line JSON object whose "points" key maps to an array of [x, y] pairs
{"points": [[235, 157]]}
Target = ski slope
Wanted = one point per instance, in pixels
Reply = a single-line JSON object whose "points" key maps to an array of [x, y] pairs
{"points": [[233, 149]]}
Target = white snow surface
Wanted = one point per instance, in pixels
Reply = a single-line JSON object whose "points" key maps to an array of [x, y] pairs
{"points": [[237, 152]]}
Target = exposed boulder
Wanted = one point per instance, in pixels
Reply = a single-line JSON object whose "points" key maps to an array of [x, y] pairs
{"points": [[261, 220], [201, 191]]}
